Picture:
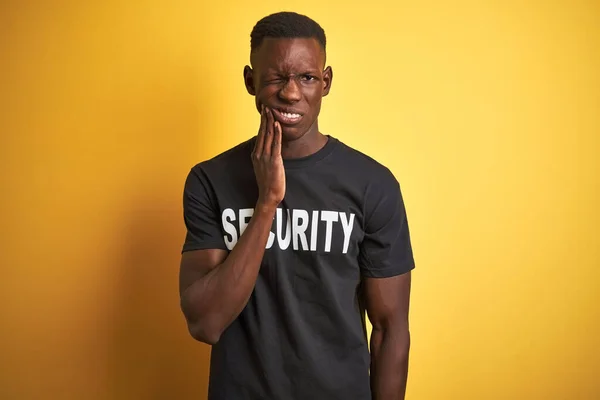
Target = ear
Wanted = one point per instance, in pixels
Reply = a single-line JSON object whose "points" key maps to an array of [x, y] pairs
{"points": [[249, 80], [327, 80]]}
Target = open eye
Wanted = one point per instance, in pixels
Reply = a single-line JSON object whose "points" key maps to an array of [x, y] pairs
{"points": [[308, 78]]}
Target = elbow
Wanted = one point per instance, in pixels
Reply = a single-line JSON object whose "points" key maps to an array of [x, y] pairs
{"points": [[395, 338], [406, 343], [200, 326], [403, 349], [402, 338], [203, 332]]}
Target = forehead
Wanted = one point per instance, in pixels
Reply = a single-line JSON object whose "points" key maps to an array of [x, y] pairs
{"points": [[288, 54]]}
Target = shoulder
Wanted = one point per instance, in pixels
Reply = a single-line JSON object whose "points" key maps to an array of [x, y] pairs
{"points": [[379, 188], [365, 167], [226, 160], [205, 174]]}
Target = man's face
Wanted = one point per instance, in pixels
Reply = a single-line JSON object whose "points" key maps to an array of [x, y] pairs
{"points": [[288, 77]]}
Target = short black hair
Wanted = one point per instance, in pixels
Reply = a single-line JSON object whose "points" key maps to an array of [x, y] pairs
{"points": [[286, 24]]}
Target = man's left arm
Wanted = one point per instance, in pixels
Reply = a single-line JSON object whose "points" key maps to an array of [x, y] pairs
{"points": [[387, 304], [386, 260]]}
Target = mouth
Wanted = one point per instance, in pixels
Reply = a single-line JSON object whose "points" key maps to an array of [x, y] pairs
{"points": [[287, 117]]}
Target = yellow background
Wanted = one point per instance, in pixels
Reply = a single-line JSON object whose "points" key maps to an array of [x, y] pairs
{"points": [[488, 112]]}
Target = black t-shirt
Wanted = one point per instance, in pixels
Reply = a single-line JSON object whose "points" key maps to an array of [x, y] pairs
{"points": [[302, 334]]}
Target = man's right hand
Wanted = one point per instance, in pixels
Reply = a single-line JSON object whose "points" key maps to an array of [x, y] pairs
{"points": [[267, 161], [215, 285]]}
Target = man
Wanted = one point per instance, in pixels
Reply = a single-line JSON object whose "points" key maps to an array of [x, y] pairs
{"points": [[291, 236]]}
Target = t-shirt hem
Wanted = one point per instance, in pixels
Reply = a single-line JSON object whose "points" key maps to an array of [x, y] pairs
{"points": [[387, 273], [203, 246]]}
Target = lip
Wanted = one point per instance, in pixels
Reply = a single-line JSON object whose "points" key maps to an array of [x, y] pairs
{"points": [[277, 112]]}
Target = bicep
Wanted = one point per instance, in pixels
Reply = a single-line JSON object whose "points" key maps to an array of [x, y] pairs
{"points": [[387, 300], [204, 247], [196, 264]]}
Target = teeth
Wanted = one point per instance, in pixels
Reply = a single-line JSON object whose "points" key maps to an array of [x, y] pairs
{"points": [[290, 115]]}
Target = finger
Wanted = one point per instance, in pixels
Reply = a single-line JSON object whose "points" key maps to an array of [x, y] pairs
{"points": [[276, 151], [268, 134], [259, 144]]}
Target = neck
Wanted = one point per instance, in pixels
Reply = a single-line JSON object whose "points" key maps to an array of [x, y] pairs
{"points": [[311, 142]]}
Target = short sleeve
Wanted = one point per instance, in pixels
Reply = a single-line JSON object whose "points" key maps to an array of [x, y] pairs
{"points": [[200, 214], [386, 248]]}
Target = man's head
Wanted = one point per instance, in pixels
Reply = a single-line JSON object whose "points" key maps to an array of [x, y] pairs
{"points": [[287, 72]]}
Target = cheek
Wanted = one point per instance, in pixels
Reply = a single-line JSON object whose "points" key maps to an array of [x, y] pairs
{"points": [[266, 94], [314, 100], [313, 93]]}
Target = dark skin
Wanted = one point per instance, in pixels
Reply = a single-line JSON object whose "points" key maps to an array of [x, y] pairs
{"points": [[387, 302], [289, 75], [288, 79]]}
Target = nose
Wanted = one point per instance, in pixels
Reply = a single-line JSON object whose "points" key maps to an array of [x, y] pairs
{"points": [[290, 92]]}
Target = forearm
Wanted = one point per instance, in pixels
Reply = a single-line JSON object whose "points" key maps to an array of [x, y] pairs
{"points": [[389, 363], [214, 301]]}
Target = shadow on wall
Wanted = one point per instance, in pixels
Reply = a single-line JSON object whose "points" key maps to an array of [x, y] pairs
{"points": [[151, 354]]}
